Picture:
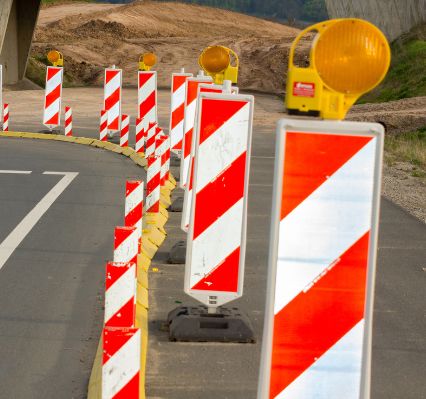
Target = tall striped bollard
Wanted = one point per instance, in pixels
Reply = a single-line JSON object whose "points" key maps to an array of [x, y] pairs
{"points": [[68, 121], [5, 117], [126, 244], [134, 205], [153, 184], [139, 135], [103, 126], [124, 134]]}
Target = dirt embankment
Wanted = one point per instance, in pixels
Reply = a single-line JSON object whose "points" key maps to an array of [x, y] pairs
{"points": [[93, 36]]}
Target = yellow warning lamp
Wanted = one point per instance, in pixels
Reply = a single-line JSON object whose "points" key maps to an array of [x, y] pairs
{"points": [[55, 58], [348, 58], [147, 61], [217, 62]]}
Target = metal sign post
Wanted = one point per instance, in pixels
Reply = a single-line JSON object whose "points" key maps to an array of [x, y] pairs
{"points": [[322, 257]]}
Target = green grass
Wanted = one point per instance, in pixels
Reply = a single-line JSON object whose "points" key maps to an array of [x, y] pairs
{"points": [[53, 2], [408, 147], [407, 74]]}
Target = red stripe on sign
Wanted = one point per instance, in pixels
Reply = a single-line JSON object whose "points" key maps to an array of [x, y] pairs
{"points": [[208, 90], [310, 159], [51, 72], [178, 81], [53, 96], [130, 390], [113, 99], [192, 91], [188, 143], [178, 115], [147, 105], [125, 316], [132, 185], [153, 183], [121, 234], [224, 277], [134, 216], [178, 145], [215, 114], [54, 120], [114, 270], [144, 77], [316, 319], [219, 195], [114, 339], [114, 124], [109, 75]]}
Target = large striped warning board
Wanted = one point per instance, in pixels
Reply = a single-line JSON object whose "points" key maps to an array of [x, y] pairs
{"points": [[214, 271], [112, 97], [317, 341], [53, 97]]}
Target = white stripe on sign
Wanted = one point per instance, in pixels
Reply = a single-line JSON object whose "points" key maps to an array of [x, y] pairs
{"points": [[343, 359], [55, 81], [223, 147], [114, 300], [178, 97], [216, 243], [312, 241], [112, 85], [126, 251], [127, 358], [12, 241], [52, 110]]}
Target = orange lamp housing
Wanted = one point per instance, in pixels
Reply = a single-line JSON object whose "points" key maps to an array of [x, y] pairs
{"points": [[220, 62], [348, 58], [55, 58], [147, 61]]}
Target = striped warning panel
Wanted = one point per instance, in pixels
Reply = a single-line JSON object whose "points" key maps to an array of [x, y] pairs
{"points": [[112, 97], [177, 110], [5, 117], [153, 177], [53, 96], [134, 204], [147, 97], [120, 294], [325, 218], [150, 139], [103, 126], [121, 363], [124, 130], [68, 121], [190, 115], [216, 240], [139, 135], [126, 244]]}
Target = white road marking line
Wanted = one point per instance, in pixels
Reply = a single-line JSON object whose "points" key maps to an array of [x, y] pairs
{"points": [[16, 172], [11, 242]]}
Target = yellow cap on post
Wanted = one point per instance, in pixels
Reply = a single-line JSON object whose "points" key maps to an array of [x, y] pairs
{"points": [[55, 58], [216, 61], [348, 58], [147, 61]]}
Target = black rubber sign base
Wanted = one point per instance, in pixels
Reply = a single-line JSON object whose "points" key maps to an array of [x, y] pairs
{"points": [[195, 324]]}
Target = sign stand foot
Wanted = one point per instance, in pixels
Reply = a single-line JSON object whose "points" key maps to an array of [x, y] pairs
{"points": [[174, 160], [177, 254], [197, 324], [177, 205]]}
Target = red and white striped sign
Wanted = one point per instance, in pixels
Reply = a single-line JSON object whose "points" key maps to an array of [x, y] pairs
{"points": [[103, 126], [121, 363], [153, 184], [215, 255], [177, 110], [120, 294], [139, 135], [124, 132], [68, 121], [150, 140], [186, 209], [162, 144], [134, 204], [53, 97], [317, 341], [147, 96], [190, 115], [5, 117], [126, 244], [112, 97]]}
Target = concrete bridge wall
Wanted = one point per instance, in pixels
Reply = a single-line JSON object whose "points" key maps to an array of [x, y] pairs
{"points": [[393, 17], [17, 22]]}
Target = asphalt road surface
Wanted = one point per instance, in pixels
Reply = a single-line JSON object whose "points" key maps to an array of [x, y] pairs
{"points": [[51, 286]]}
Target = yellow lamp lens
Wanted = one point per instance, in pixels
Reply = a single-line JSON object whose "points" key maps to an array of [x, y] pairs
{"points": [[215, 59], [149, 59], [53, 56], [351, 56]]}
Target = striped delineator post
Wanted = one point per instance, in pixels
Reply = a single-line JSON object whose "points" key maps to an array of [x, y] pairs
{"points": [[177, 110], [53, 97], [68, 121], [103, 126], [126, 244], [124, 132], [150, 140], [322, 255], [147, 97], [120, 294], [139, 135], [161, 143], [186, 208], [134, 204], [112, 97], [5, 117], [214, 271], [121, 363], [190, 116], [153, 184]]}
